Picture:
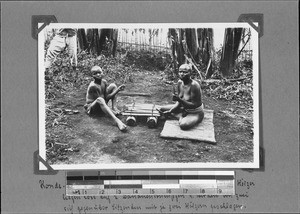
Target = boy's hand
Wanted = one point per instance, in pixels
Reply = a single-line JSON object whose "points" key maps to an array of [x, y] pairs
{"points": [[121, 87]]}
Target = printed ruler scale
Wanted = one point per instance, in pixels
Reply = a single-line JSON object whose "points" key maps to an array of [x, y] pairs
{"points": [[96, 183]]}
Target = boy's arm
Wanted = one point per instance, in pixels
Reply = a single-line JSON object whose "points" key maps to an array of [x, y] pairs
{"points": [[120, 88]]}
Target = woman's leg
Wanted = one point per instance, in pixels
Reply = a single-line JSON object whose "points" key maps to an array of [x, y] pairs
{"points": [[190, 120]]}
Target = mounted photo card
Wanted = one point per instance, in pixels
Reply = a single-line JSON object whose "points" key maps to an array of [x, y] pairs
{"points": [[148, 96]]}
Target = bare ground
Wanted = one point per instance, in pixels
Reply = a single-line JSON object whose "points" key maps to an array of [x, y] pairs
{"points": [[77, 138]]}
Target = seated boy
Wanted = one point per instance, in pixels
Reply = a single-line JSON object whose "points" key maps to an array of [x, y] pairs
{"points": [[99, 93], [188, 108]]}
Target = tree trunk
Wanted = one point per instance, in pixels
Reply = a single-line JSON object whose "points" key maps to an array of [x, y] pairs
{"points": [[205, 49], [89, 37], [175, 43], [232, 40], [82, 40], [205, 41], [108, 40], [96, 45], [104, 34], [97, 40], [93, 41], [192, 43], [181, 47], [115, 42], [210, 49], [177, 48]]}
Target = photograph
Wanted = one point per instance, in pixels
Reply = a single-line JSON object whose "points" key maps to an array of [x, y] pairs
{"points": [[148, 96]]}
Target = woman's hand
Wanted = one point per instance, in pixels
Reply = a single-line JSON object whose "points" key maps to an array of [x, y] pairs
{"points": [[167, 113], [176, 98]]}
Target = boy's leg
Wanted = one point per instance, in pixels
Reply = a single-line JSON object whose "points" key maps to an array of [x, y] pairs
{"points": [[109, 112], [57, 45], [190, 120], [92, 108], [110, 89]]}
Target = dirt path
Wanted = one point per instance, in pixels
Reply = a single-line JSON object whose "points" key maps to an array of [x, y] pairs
{"points": [[91, 140]]}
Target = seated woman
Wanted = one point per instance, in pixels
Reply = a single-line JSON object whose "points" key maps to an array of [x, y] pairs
{"points": [[188, 108]]}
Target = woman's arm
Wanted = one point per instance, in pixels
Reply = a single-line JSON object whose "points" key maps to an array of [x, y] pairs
{"points": [[174, 108]]}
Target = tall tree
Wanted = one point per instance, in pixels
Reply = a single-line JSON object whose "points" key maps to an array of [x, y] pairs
{"points": [[89, 36], [82, 40], [206, 49], [192, 43], [108, 40], [114, 42], [177, 48], [192, 46], [232, 39], [205, 40], [97, 40], [105, 34]]}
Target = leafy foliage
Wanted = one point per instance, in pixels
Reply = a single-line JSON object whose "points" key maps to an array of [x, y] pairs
{"points": [[237, 90], [238, 87], [148, 60]]}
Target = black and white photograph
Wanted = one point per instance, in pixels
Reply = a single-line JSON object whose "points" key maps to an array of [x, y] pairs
{"points": [[148, 96]]}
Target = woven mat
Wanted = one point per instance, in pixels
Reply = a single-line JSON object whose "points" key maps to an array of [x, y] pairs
{"points": [[204, 131]]}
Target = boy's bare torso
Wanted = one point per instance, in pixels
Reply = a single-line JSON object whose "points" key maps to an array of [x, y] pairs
{"points": [[96, 90]]}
